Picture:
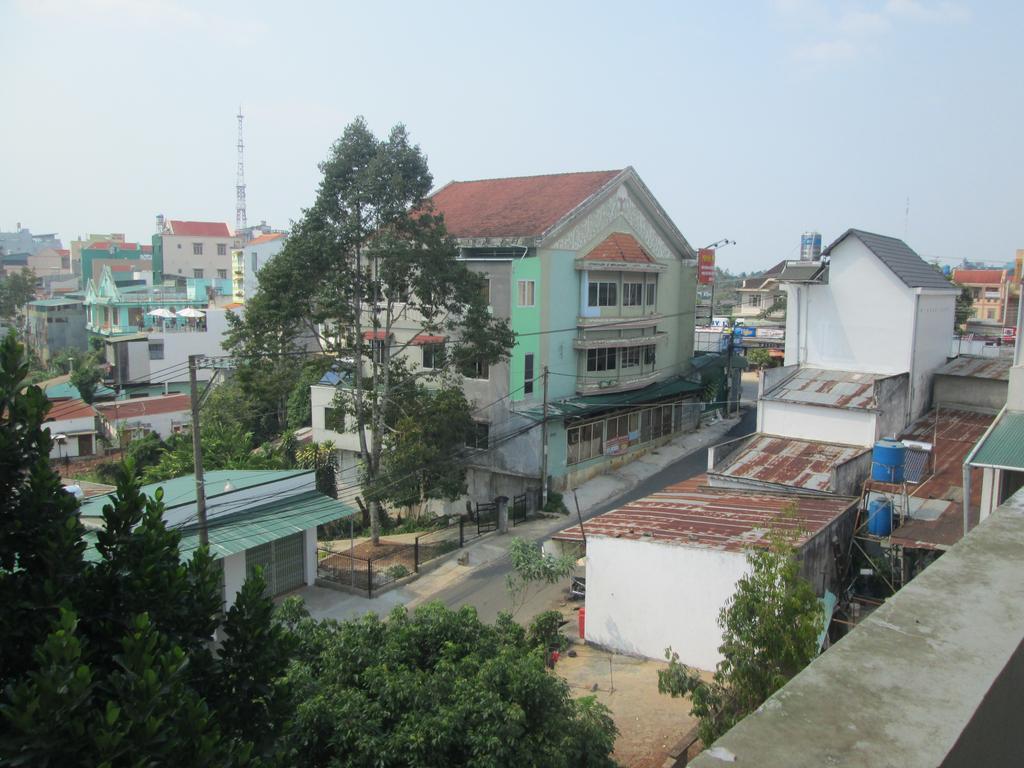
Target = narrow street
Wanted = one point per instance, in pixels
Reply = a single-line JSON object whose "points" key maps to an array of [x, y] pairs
{"points": [[485, 587]]}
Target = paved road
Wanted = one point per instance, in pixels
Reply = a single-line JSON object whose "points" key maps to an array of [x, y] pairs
{"points": [[485, 587]]}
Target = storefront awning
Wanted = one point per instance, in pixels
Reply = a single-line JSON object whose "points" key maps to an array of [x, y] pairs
{"points": [[576, 407]]}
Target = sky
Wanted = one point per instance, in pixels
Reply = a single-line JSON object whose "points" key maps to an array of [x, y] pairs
{"points": [[753, 121]]}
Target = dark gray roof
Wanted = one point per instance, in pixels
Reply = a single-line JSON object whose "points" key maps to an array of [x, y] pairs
{"points": [[914, 271]]}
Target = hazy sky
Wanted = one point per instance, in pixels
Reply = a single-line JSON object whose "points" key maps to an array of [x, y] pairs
{"points": [[750, 120]]}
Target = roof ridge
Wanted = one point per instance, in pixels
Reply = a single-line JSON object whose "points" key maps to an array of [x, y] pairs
{"points": [[533, 176]]}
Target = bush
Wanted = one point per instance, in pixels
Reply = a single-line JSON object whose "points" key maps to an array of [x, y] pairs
{"points": [[555, 504], [545, 631], [396, 572]]}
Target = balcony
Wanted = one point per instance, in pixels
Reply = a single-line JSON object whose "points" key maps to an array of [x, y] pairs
{"points": [[604, 343], [619, 380], [616, 323]]}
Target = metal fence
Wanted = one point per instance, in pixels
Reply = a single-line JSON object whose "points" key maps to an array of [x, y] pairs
{"points": [[367, 574], [440, 541], [486, 517], [524, 505]]}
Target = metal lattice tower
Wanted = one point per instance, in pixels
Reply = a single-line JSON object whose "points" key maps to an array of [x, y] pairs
{"points": [[240, 180]]}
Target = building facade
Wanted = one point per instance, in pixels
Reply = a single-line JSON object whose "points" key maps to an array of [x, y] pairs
{"points": [[250, 259], [762, 296], [197, 249], [54, 325], [990, 294]]}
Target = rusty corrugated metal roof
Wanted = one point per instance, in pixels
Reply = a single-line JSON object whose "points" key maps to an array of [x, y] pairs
{"points": [[835, 389], [695, 515], [806, 464], [997, 368]]}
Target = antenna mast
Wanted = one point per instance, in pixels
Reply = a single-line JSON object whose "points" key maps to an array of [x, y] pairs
{"points": [[240, 181]]}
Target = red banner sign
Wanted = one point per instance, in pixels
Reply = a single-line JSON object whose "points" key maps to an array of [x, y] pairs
{"points": [[706, 265]]}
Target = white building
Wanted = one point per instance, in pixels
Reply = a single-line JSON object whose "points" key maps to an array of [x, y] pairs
{"points": [[250, 259], [660, 569], [872, 305], [263, 518], [200, 249], [1000, 452], [72, 425], [131, 419]]}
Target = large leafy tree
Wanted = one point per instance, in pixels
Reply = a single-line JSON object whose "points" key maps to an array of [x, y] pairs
{"points": [[367, 259], [769, 633], [86, 376], [16, 290], [106, 660], [434, 688]]}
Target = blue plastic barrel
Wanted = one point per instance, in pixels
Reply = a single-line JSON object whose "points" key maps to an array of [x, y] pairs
{"points": [[887, 460], [880, 517]]}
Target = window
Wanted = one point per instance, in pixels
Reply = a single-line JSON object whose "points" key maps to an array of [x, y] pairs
{"points": [[754, 299], [156, 350], [632, 294], [222, 274], [601, 359], [526, 291], [584, 442], [197, 249], [377, 348], [334, 419], [476, 369], [197, 273], [478, 435], [649, 357], [602, 295], [528, 375], [631, 357], [433, 356], [254, 261], [222, 249], [485, 290]]}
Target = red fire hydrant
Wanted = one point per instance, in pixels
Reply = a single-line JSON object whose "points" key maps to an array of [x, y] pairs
{"points": [[583, 623]]}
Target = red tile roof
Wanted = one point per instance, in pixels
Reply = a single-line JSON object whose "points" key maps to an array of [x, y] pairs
{"points": [[63, 252], [379, 335], [266, 238], [426, 338], [106, 245], [145, 406], [695, 515], [983, 276], [525, 206], [620, 247], [64, 410], [199, 228], [147, 249]]}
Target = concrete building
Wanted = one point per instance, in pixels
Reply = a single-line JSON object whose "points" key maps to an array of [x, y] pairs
{"points": [[973, 382], [250, 259], [262, 518], [932, 678], [659, 570], [54, 325], [21, 240], [199, 249], [872, 305], [82, 242], [128, 261], [990, 291], [122, 421], [762, 294], [72, 425], [599, 285]]}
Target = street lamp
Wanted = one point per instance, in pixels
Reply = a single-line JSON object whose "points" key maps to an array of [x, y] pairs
{"points": [[61, 441]]}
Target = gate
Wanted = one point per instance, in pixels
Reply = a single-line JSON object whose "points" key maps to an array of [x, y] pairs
{"points": [[523, 504], [486, 517]]}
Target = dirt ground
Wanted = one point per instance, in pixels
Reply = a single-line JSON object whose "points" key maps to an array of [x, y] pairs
{"points": [[649, 723]]}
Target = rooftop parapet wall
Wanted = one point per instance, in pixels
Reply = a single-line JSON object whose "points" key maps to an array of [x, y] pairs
{"points": [[935, 677]]}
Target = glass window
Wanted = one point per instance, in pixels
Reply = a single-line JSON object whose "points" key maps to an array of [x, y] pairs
{"points": [[649, 356], [485, 290], [526, 293], [254, 261], [156, 350], [479, 435], [602, 294], [630, 357], [197, 249], [528, 375], [433, 356], [602, 359], [476, 369], [197, 273], [652, 292], [222, 249], [334, 419], [222, 274], [632, 294]]}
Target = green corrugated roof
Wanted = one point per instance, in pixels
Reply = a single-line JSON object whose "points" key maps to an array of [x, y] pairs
{"points": [[236, 533], [65, 390], [1004, 446], [52, 302], [182, 490], [584, 405]]}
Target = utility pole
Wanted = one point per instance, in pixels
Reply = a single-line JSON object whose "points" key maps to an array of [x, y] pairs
{"points": [[728, 371], [544, 445], [197, 450]]}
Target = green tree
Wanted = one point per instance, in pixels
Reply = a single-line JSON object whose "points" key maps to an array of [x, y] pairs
{"points": [[16, 290], [367, 256], [532, 567], [86, 377], [434, 687], [323, 458], [964, 307], [769, 633], [107, 660], [759, 357]]}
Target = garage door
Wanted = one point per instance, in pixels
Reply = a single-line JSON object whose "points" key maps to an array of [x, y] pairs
{"points": [[282, 562]]}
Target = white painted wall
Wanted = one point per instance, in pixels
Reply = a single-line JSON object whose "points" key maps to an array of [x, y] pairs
{"points": [[935, 316], [255, 257], [179, 260], [178, 346], [644, 596], [234, 576], [862, 320], [72, 428], [811, 422], [309, 542]]}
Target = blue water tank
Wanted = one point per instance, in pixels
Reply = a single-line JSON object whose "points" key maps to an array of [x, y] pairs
{"points": [[887, 459], [880, 517]]}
